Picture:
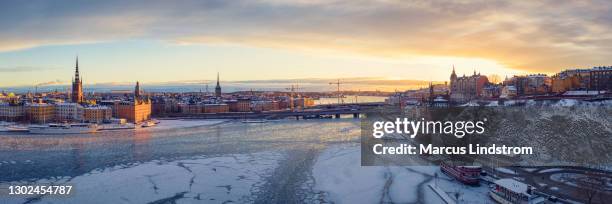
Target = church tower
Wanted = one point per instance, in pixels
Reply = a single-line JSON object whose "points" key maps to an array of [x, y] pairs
{"points": [[453, 76], [453, 81], [137, 91], [218, 87], [77, 85]]}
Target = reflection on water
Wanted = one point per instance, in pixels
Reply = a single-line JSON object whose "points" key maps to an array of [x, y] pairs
{"points": [[24, 156]]}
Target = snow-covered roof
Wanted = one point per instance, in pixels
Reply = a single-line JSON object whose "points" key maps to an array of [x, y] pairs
{"points": [[513, 185], [39, 104], [97, 107], [440, 99], [471, 103]]}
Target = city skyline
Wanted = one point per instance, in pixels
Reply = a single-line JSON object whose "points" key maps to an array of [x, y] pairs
{"points": [[283, 40]]}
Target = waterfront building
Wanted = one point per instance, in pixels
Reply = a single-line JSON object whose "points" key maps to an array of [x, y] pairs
{"points": [[68, 112], [239, 105], [600, 79], [508, 92], [595, 79], [491, 91], [216, 108], [191, 108], [40, 112], [265, 105], [218, 87], [135, 111], [97, 114], [77, 85], [12, 111], [534, 84], [162, 106], [466, 88], [303, 102], [561, 83]]}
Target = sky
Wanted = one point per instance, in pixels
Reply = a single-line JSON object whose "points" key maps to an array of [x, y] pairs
{"points": [[190, 41]]}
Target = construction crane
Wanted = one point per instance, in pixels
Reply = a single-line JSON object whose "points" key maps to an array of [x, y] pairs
{"points": [[337, 83]]}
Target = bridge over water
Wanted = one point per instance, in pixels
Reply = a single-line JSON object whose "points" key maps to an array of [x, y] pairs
{"points": [[333, 110]]}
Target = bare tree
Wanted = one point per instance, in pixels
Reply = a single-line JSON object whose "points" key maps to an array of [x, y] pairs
{"points": [[494, 78], [591, 185]]}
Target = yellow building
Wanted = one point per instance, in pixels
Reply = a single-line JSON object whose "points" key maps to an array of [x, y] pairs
{"points": [[134, 111], [40, 112], [563, 84]]}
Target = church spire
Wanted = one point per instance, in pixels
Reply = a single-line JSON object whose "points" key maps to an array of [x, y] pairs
{"points": [[76, 69], [218, 87], [77, 84], [453, 75], [137, 91]]}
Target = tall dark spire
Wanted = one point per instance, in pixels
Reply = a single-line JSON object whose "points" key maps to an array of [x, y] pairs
{"points": [[453, 75], [76, 69], [137, 91], [77, 84], [218, 87]]}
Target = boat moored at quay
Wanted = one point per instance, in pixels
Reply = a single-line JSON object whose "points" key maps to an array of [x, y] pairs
{"points": [[76, 128], [465, 174]]}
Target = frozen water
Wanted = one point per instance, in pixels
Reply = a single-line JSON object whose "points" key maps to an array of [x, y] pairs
{"points": [[338, 172], [219, 179]]}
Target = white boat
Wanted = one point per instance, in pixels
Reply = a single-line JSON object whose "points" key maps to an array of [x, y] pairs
{"points": [[14, 128], [254, 121], [149, 124], [77, 128], [510, 191]]}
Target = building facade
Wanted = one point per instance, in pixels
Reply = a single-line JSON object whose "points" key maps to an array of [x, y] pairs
{"points": [[594, 79], [239, 105], [97, 114], [40, 112], [600, 79], [135, 111], [68, 112], [534, 84], [466, 88], [12, 112], [216, 108]]}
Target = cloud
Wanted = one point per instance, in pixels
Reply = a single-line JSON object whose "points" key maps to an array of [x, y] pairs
{"points": [[527, 35], [24, 69], [49, 83], [308, 84]]}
